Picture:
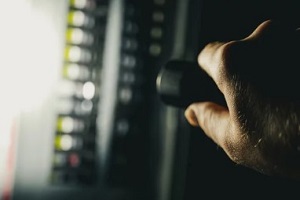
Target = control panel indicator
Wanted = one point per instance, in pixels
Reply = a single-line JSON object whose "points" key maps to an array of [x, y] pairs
{"points": [[84, 107], [69, 125], [74, 142], [77, 54], [83, 4], [69, 106], [128, 78], [80, 90], [130, 28], [78, 18], [156, 33], [158, 16], [79, 37], [68, 160], [68, 143], [60, 159], [74, 160], [122, 127], [76, 72], [155, 49], [128, 61], [125, 95], [88, 90], [130, 44]]}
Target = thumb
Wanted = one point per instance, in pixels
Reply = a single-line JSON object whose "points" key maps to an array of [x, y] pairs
{"points": [[212, 118], [262, 30], [271, 29]]}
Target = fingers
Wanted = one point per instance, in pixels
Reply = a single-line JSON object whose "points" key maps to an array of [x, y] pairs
{"points": [[212, 118], [210, 60], [261, 30], [215, 56]]}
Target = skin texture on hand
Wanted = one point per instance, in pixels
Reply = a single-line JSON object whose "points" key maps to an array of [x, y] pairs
{"points": [[260, 127]]}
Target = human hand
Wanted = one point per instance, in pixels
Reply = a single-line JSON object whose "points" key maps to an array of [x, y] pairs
{"points": [[260, 127]]}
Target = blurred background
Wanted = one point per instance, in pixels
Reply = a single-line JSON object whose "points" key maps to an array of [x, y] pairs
{"points": [[80, 117]]}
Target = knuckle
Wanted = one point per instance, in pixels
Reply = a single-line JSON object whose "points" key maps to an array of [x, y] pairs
{"points": [[229, 51], [234, 152], [234, 54], [227, 54], [236, 147]]}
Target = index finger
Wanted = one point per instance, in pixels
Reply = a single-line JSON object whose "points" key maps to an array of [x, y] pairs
{"points": [[211, 60]]}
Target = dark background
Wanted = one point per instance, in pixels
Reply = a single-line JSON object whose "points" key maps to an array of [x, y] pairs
{"points": [[210, 173]]}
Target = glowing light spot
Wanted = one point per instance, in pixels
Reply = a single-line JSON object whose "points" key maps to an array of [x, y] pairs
{"points": [[76, 72], [72, 71], [122, 127], [74, 160], [79, 3], [125, 95], [78, 36], [66, 142], [155, 49], [76, 18], [79, 19], [67, 124], [74, 54], [88, 90]]}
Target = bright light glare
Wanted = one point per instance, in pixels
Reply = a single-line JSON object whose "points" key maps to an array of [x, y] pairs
{"points": [[29, 64], [28, 56]]}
